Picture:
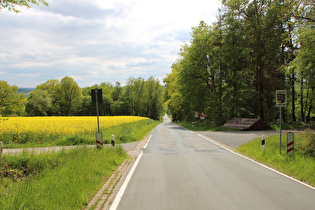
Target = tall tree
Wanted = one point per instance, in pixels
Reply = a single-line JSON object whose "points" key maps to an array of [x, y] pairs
{"points": [[39, 103], [172, 95], [305, 64], [69, 95], [52, 86], [153, 95], [10, 101]]}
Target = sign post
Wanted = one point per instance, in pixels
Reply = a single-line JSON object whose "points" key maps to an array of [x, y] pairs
{"points": [[196, 114], [97, 98], [281, 101], [202, 116]]}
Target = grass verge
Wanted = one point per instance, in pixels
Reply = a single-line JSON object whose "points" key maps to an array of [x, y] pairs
{"points": [[203, 127], [61, 180], [301, 166]]}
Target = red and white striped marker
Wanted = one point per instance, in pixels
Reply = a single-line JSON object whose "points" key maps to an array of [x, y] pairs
{"points": [[99, 140], [290, 144]]}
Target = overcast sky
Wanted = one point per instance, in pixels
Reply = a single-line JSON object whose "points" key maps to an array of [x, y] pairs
{"points": [[95, 41]]}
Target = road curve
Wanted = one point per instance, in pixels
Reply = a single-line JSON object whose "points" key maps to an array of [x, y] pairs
{"points": [[181, 170]]}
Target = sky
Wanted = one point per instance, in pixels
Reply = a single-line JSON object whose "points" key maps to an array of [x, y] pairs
{"points": [[95, 41]]}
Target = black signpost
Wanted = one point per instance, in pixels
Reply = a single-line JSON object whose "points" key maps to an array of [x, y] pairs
{"points": [[96, 99]]}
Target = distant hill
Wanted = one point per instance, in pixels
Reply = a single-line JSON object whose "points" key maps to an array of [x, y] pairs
{"points": [[26, 91]]}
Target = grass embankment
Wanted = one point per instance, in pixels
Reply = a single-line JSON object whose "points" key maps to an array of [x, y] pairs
{"points": [[301, 166], [123, 133], [63, 180]]}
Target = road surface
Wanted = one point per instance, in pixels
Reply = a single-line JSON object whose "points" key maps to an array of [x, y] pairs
{"points": [[180, 169]]}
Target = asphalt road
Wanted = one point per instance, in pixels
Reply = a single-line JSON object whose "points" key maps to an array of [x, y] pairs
{"points": [[179, 169]]}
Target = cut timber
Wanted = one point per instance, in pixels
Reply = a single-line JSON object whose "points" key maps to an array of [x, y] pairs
{"points": [[246, 124]]}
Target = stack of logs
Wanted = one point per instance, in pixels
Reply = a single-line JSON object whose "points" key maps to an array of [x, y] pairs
{"points": [[246, 124]]}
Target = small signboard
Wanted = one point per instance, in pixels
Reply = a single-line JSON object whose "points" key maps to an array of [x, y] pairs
{"points": [[196, 114], [202, 116], [281, 98], [97, 95]]}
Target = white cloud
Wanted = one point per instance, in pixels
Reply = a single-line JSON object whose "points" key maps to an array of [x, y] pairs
{"points": [[96, 41]]}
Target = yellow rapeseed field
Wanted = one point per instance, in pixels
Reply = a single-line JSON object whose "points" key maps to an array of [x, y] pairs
{"points": [[19, 128]]}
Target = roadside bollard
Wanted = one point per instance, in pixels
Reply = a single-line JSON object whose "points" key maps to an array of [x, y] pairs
{"points": [[113, 140], [263, 144], [193, 124]]}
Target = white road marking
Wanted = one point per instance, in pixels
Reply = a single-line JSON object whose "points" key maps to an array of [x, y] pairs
{"points": [[125, 184], [145, 146]]}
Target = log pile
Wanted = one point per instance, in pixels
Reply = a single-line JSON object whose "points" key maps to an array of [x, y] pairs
{"points": [[246, 124]]}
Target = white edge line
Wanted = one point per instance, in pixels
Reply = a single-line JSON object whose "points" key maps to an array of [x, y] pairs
{"points": [[145, 146], [125, 184], [272, 169]]}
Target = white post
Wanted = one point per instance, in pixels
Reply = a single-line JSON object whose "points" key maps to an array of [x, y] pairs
{"points": [[290, 144], [113, 140]]}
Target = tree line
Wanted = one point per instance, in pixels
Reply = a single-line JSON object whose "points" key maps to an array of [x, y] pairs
{"points": [[233, 67], [139, 97]]}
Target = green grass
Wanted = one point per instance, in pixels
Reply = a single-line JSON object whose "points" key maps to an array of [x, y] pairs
{"points": [[286, 126], [61, 180], [203, 127], [301, 166], [124, 133]]}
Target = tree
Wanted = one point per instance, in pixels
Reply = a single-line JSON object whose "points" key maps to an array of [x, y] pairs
{"points": [[10, 101], [52, 86], [39, 103], [172, 96], [305, 64], [153, 95], [11, 4], [69, 96]]}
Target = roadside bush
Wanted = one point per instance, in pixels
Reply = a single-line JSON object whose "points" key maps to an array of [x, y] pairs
{"points": [[306, 143]]}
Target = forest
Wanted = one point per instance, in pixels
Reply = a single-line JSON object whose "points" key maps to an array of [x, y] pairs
{"points": [[139, 97], [233, 67]]}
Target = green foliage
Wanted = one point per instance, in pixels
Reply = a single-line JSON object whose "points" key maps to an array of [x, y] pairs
{"points": [[143, 98], [69, 96], [39, 103], [306, 143], [11, 103], [234, 67], [61, 180], [301, 166], [10, 4], [75, 140], [140, 98]]}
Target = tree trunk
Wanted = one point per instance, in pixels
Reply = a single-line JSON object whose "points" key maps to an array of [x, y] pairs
{"points": [[302, 104], [293, 96], [308, 118]]}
